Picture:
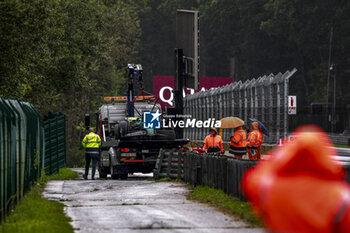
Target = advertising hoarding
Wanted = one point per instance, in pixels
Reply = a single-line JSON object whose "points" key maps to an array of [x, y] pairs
{"points": [[164, 85]]}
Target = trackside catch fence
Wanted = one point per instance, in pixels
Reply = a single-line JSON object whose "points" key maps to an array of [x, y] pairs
{"points": [[23, 150], [264, 98]]}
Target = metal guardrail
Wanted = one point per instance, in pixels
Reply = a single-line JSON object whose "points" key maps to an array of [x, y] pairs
{"points": [[213, 170], [24, 149], [339, 139], [343, 152], [265, 98], [345, 162], [343, 158], [216, 171]]}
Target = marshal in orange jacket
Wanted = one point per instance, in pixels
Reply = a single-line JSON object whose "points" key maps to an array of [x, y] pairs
{"points": [[255, 139], [213, 140], [238, 145]]}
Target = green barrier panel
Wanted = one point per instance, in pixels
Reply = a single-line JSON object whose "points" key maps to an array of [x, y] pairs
{"points": [[21, 143], [27, 145], [55, 142]]}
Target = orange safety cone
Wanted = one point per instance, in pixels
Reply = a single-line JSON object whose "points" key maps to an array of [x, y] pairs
{"points": [[299, 188]]}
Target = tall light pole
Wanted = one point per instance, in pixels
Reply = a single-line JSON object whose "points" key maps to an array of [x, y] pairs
{"points": [[333, 68], [329, 61], [329, 71]]}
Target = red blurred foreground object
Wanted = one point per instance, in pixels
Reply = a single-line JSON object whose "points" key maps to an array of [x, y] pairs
{"points": [[300, 188]]}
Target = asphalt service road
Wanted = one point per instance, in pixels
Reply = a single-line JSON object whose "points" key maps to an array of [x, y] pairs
{"points": [[137, 205]]}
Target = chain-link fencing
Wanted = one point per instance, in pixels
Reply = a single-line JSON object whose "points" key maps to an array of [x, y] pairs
{"points": [[264, 98]]}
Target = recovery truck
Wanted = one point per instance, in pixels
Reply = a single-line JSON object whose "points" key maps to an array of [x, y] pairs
{"points": [[126, 146]]}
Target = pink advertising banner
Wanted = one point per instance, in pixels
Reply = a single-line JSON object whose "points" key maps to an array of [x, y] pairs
{"points": [[164, 85]]}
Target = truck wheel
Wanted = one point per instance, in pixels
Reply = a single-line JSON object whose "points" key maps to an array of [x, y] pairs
{"points": [[103, 173]]}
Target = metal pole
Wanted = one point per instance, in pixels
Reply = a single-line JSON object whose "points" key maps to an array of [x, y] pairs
{"points": [[285, 108], [245, 103], [278, 116], [179, 83], [271, 123], [334, 100], [329, 66], [262, 101]]}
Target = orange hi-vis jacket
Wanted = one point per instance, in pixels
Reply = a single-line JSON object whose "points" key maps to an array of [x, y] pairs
{"points": [[255, 139], [238, 145], [300, 188], [215, 140]]}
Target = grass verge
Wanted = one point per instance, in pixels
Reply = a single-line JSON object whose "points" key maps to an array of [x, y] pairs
{"points": [[64, 174], [342, 146], [166, 179], [228, 204], [35, 214]]}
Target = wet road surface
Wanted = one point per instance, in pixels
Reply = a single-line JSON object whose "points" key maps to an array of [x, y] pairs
{"points": [[137, 205]]}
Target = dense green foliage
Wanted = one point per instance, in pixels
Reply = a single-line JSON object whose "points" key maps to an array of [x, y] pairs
{"points": [[37, 214], [64, 55], [228, 204]]}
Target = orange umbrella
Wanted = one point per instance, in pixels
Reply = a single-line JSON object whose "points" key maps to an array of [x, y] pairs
{"points": [[231, 122]]}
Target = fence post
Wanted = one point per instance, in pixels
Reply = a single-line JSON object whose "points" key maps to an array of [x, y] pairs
{"points": [[224, 173], [230, 176], [278, 110], [285, 107], [262, 99], [170, 157], [179, 167], [270, 106], [158, 164], [204, 166]]}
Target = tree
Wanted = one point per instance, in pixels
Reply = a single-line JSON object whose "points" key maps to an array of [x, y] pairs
{"points": [[64, 55]]}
